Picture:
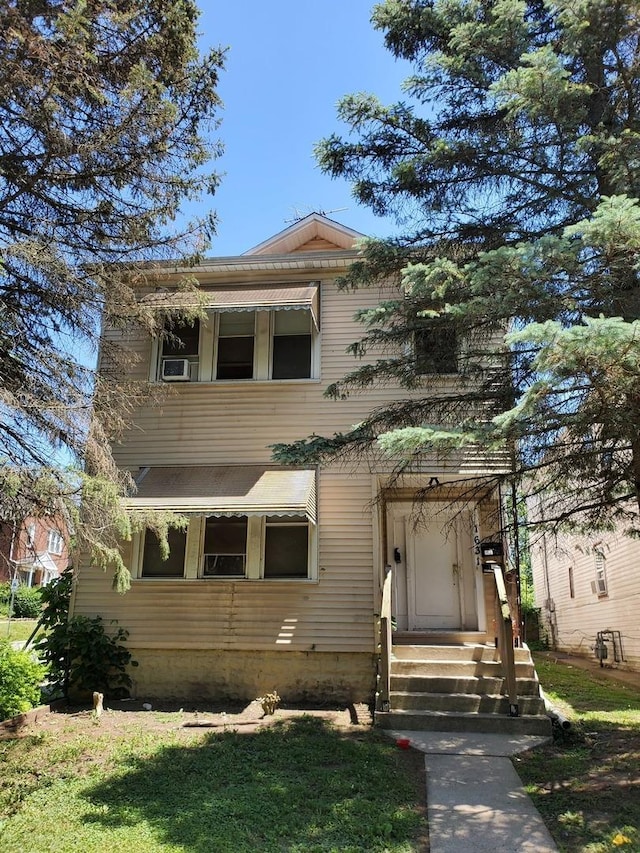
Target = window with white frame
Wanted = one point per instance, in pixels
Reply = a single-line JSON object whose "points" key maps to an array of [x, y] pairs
{"points": [[154, 565], [225, 547], [55, 542], [286, 548], [31, 535], [572, 591], [235, 349], [180, 352], [231, 547], [291, 345], [242, 345], [601, 573]]}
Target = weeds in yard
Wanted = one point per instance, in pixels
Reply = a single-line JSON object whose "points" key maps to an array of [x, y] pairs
{"points": [[298, 786], [587, 783]]}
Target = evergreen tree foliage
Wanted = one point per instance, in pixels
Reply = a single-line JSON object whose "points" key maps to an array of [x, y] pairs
{"points": [[107, 111], [513, 169]]}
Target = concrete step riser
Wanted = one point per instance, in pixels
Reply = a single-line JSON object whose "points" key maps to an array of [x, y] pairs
{"points": [[464, 668], [458, 684], [441, 638], [464, 703], [441, 722], [451, 653]]}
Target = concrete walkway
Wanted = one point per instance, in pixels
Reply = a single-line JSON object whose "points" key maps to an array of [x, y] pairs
{"points": [[475, 799]]}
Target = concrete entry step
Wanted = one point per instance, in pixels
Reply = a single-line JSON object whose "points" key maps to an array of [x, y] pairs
{"points": [[452, 721], [455, 651], [436, 638], [460, 684], [449, 686], [485, 703], [464, 668]]}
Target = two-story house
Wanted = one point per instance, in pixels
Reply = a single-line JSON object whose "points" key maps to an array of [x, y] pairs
{"points": [[34, 551], [277, 584]]}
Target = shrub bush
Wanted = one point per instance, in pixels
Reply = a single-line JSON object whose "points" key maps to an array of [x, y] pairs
{"points": [[79, 653], [27, 603], [20, 680]]}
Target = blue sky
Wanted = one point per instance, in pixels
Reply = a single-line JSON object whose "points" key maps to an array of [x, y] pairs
{"points": [[289, 62]]}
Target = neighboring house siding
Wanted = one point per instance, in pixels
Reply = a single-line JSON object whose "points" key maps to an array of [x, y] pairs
{"points": [[573, 622]]}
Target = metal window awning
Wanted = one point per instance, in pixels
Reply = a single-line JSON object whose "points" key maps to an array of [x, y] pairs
{"points": [[240, 298], [227, 490]]}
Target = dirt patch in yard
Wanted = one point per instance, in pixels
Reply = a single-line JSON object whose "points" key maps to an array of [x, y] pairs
{"points": [[119, 717]]}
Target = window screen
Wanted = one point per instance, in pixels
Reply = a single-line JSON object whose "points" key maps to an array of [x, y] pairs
{"points": [[153, 566], [286, 549], [225, 547]]}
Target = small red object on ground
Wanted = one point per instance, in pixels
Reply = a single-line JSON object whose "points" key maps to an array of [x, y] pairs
{"points": [[403, 742]]}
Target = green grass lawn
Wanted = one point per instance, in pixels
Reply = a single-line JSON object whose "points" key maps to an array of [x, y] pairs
{"points": [[587, 783], [299, 786], [19, 629]]}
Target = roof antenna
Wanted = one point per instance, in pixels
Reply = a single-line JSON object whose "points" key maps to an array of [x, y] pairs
{"points": [[300, 214]]}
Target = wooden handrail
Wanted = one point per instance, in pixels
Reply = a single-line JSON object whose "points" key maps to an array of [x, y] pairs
{"points": [[504, 626], [384, 672]]}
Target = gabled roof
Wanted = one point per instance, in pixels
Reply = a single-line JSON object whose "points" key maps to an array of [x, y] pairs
{"points": [[314, 233]]}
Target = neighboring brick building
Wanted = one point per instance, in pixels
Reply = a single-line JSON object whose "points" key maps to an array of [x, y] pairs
{"points": [[35, 551]]}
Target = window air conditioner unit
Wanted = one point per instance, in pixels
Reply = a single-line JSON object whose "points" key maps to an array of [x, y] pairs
{"points": [[175, 369]]}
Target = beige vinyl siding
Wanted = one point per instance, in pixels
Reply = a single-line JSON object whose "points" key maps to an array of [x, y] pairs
{"points": [[574, 622], [333, 614], [222, 423], [214, 422]]}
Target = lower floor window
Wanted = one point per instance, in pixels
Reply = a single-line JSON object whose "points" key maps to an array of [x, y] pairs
{"points": [[286, 549], [252, 547], [153, 565], [225, 547]]}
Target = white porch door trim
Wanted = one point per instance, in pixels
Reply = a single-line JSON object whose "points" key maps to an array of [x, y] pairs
{"points": [[438, 575]]}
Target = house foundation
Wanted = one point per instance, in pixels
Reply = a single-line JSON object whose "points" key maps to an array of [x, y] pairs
{"points": [[320, 677]]}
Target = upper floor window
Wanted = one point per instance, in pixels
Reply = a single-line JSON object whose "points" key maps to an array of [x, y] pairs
{"points": [[436, 348], [55, 542], [291, 345], [235, 358], [180, 354], [242, 345]]}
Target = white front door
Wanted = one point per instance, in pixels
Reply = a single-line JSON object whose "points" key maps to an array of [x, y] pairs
{"points": [[432, 579], [435, 570]]}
